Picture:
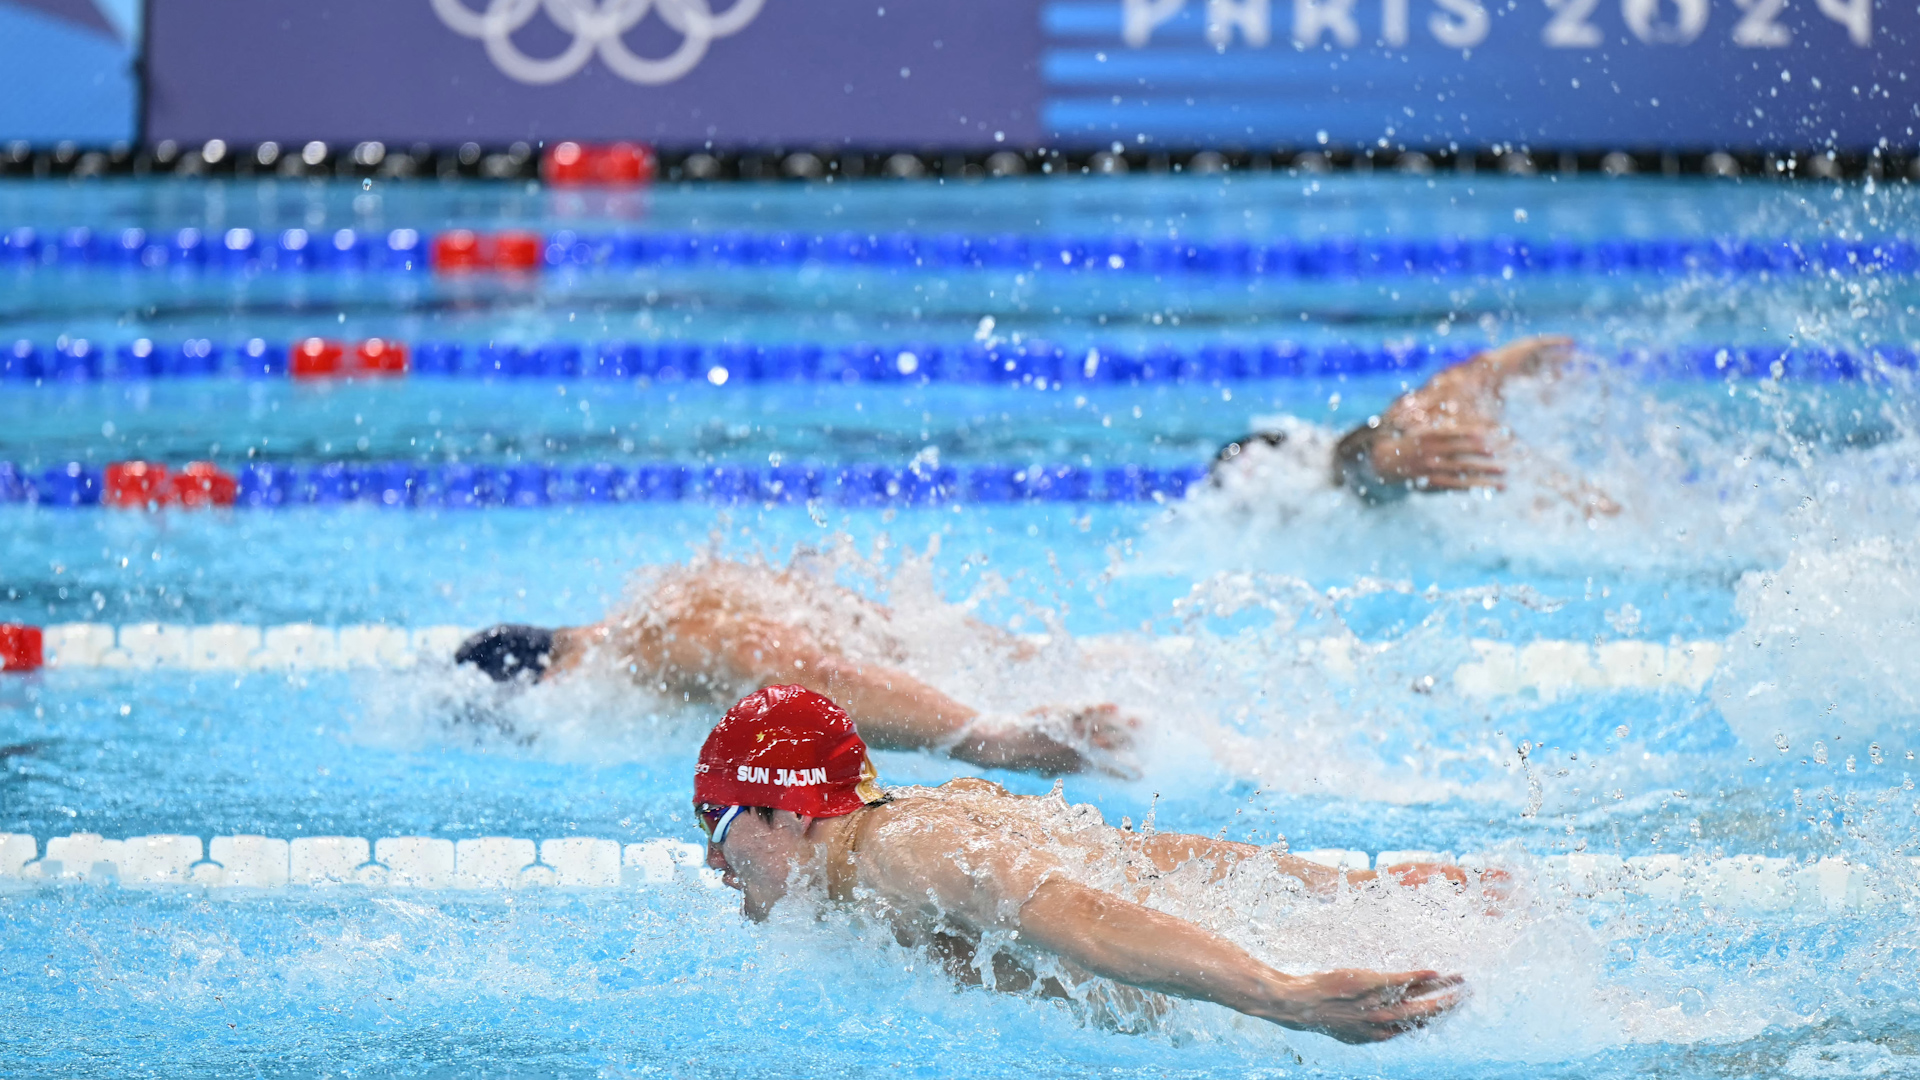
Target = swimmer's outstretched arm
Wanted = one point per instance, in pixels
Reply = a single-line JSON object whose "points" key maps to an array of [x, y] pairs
{"points": [[985, 881], [1142, 947]]}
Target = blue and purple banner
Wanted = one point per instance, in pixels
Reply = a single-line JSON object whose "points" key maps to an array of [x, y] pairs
{"points": [[69, 71], [1736, 74]]}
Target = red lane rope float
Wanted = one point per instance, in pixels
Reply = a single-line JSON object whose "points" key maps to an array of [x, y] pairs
{"points": [[463, 251], [21, 647], [378, 356], [520, 251], [323, 358], [145, 485], [621, 164], [202, 483], [136, 485], [458, 250], [317, 358]]}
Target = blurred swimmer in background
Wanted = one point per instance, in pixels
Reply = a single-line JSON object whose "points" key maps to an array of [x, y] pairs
{"points": [[790, 804], [1447, 435], [716, 629]]}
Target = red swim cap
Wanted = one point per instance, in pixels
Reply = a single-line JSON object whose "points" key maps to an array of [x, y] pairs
{"points": [[788, 748]]}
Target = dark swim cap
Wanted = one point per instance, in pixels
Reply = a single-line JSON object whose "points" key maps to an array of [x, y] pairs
{"points": [[506, 651], [1240, 445]]}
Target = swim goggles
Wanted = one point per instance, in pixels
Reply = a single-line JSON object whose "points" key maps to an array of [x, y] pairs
{"points": [[716, 820]]}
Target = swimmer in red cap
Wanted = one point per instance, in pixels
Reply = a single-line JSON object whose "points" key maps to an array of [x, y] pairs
{"points": [[714, 629], [1447, 435], [788, 800]]}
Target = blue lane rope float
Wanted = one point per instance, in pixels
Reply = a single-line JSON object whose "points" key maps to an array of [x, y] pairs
{"points": [[462, 486], [73, 359], [235, 250], [406, 250]]}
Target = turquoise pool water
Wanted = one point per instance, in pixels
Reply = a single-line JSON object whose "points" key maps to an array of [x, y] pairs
{"points": [[1772, 518]]}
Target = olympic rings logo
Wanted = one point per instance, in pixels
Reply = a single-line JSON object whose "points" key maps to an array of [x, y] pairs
{"points": [[597, 27]]}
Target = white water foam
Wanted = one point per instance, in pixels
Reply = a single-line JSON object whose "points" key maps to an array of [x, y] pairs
{"points": [[1825, 664]]}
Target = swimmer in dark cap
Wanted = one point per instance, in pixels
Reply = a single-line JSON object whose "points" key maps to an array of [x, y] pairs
{"points": [[716, 629], [1447, 435], [509, 651]]}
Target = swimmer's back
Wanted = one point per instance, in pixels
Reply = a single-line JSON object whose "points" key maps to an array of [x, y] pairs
{"points": [[833, 617], [981, 808]]}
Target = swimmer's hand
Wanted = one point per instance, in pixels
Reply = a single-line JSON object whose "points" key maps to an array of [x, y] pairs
{"points": [[1496, 886], [1420, 873], [1358, 1006], [1447, 435], [1426, 460], [1052, 740]]}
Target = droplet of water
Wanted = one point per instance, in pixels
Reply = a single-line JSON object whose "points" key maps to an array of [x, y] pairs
{"points": [[1692, 1000]]}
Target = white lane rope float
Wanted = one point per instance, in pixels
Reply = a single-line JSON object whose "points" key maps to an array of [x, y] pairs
{"points": [[1745, 883], [597, 28], [406, 862], [1547, 668]]}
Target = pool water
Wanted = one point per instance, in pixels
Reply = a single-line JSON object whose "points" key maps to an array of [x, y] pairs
{"points": [[1290, 652]]}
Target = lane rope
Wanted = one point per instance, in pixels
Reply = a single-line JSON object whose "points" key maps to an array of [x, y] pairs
{"points": [[404, 485], [245, 863], [1545, 668], [1034, 364], [453, 251]]}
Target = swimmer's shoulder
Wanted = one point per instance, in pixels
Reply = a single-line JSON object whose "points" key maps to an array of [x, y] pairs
{"points": [[963, 786], [973, 785], [965, 797]]}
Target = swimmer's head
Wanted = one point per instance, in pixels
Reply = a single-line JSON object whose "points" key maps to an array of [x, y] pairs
{"points": [[508, 652], [780, 760], [786, 748], [1247, 442]]}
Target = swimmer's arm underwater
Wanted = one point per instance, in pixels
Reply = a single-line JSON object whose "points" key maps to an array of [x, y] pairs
{"points": [[894, 710], [899, 712], [1169, 851]]}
